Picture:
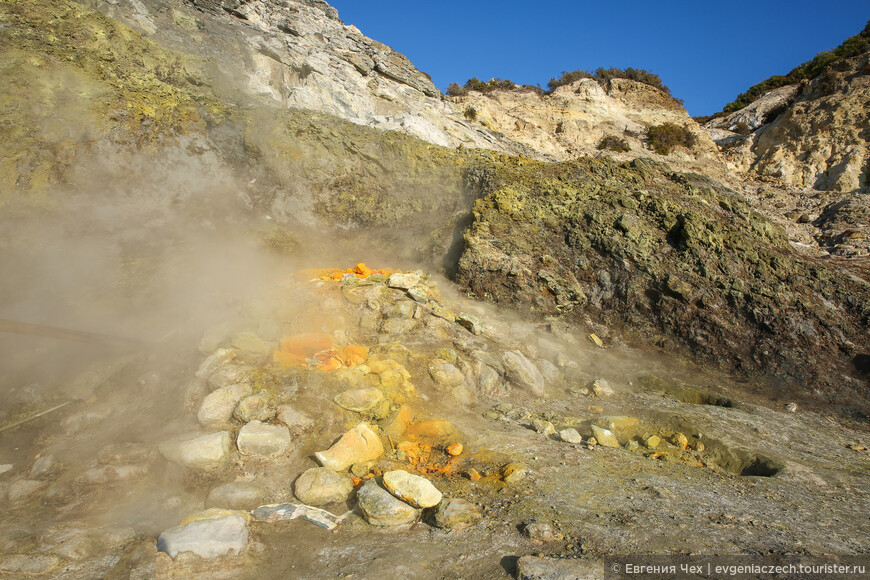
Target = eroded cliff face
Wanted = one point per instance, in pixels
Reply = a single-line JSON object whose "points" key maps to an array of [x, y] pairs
{"points": [[812, 135], [299, 54], [572, 121]]}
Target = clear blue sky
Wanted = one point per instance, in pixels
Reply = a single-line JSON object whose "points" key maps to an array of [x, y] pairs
{"points": [[706, 51]]}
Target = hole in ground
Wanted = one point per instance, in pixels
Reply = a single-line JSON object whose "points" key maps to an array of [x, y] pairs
{"points": [[740, 461]]}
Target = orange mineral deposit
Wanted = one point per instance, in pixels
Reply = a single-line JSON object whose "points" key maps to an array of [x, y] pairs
{"points": [[454, 449], [353, 355], [299, 349]]}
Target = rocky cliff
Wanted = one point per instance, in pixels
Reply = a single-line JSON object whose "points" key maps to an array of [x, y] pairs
{"points": [[572, 121], [299, 54], [811, 135]]}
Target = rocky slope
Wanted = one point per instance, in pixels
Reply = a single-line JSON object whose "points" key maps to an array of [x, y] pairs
{"points": [[811, 135], [672, 257], [571, 122]]}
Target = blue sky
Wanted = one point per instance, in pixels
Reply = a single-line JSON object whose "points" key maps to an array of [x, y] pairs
{"points": [[706, 51]]}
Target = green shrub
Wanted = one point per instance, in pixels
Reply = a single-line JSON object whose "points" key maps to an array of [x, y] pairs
{"points": [[455, 90], [613, 143], [663, 138], [604, 75], [477, 85], [470, 113], [742, 128]]}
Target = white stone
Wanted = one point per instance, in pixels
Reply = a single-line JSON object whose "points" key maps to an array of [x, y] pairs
{"points": [[199, 451], [263, 440], [209, 537], [413, 489], [217, 408]]}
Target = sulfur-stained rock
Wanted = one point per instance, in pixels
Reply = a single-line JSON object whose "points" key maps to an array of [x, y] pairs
{"points": [[397, 425], [604, 436], [514, 472], [359, 400], [419, 294], [652, 441], [206, 452], [600, 388], [356, 446], [431, 428], [456, 514], [381, 508], [445, 374], [321, 486], [680, 440], [413, 489], [441, 312], [470, 322], [217, 359], [257, 406], [403, 281], [623, 427]]}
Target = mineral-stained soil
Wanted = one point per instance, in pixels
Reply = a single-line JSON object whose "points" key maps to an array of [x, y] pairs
{"points": [[701, 466]]}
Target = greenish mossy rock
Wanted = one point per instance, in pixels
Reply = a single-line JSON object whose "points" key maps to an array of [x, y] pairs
{"points": [[672, 257]]}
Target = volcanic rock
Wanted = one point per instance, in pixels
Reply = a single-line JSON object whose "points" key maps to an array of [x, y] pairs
{"points": [[197, 451], [413, 489], [320, 486], [263, 440], [456, 514], [381, 508], [209, 534], [356, 446]]}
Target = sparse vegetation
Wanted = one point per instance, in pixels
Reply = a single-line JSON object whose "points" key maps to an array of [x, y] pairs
{"points": [[486, 87], [604, 75], [470, 113], [811, 69], [663, 138], [613, 143]]}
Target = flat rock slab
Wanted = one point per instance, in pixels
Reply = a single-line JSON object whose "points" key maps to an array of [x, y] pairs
{"points": [[218, 533], [381, 508], [279, 512], [263, 440], [535, 568], [206, 452], [321, 486], [358, 445], [413, 489]]}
